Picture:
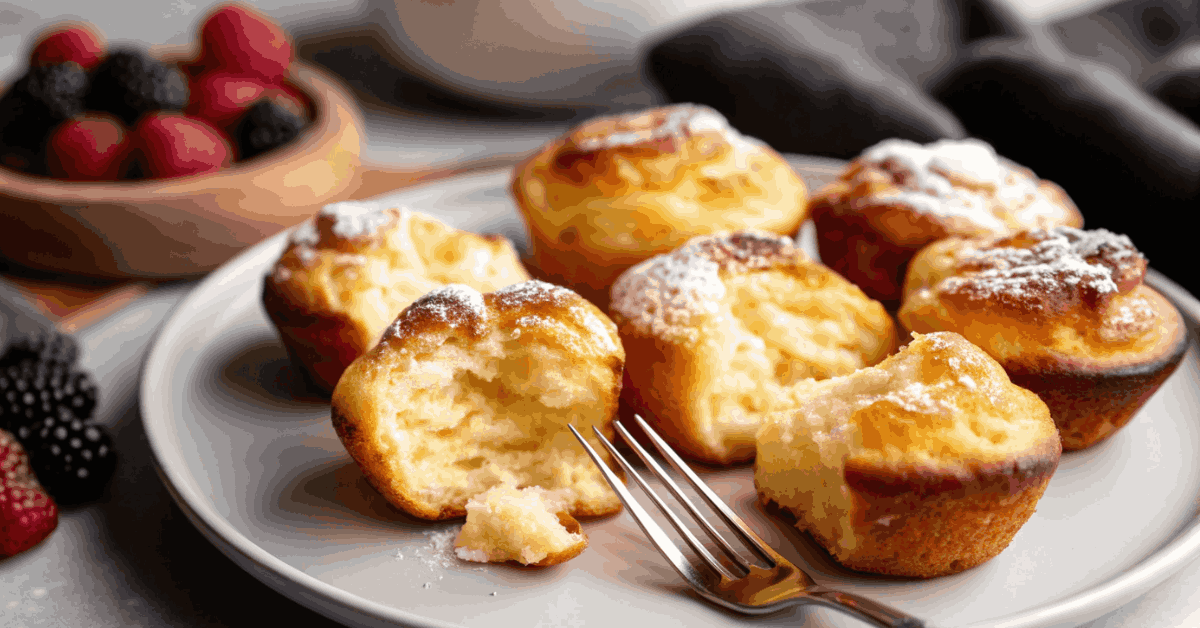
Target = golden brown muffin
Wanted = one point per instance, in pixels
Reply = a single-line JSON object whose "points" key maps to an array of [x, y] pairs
{"points": [[620, 189], [922, 466], [899, 196], [345, 276], [719, 333], [525, 526], [1064, 311], [467, 391]]}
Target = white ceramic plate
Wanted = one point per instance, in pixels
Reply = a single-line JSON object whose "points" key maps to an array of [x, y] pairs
{"points": [[262, 474]]}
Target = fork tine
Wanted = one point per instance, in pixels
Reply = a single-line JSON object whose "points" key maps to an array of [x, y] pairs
{"points": [[657, 535], [714, 502], [681, 498], [690, 538]]}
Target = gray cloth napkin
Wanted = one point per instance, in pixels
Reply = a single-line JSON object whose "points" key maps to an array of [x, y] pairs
{"points": [[832, 78]]}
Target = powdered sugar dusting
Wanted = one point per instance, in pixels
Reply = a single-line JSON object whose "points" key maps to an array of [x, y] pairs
{"points": [[354, 220], [663, 294], [931, 163], [681, 121], [1039, 266], [305, 234], [454, 305], [532, 291], [925, 176]]}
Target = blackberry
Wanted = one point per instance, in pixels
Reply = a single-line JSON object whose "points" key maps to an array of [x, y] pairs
{"points": [[60, 89], [130, 83], [37, 103], [47, 347], [32, 391], [72, 458], [266, 126]]}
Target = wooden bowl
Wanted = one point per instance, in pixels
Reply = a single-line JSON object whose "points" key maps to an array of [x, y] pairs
{"points": [[163, 228]]}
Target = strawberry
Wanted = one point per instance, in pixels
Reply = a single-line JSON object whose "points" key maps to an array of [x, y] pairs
{"points": [[94, 148], [222, 98], [27, 514], [173, 145], [77, 42], [239, 40]]}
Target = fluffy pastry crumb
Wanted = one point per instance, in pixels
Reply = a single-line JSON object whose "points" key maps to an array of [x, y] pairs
{"points": [[467, 391], [721, 330], [924, 465], [528, 526]]}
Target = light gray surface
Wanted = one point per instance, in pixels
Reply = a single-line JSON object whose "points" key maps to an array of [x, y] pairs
{"points": [[264, 475]]}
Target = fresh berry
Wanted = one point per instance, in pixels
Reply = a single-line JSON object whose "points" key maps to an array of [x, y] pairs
{"points": [[239, 40], [37, 103], [27, 514], [60, 88], [265, 126], [48, 347], [79, 43], [23, 130], [74, 459], [95, 148], [31, 392], [222, 98], [129, 83], [172, 145]]}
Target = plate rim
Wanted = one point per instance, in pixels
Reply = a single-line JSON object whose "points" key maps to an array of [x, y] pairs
{"points": [[342, 605]]}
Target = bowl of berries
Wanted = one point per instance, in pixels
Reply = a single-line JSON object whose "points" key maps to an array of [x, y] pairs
{"points": [[122, 162]]}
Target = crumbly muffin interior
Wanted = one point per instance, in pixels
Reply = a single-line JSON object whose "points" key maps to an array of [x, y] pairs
{"points": [[940, 404], [775, 329], [479, 413], [509, 524]]}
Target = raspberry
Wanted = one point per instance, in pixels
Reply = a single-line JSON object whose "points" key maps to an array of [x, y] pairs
{"points": [[49, 347], [238, 39], [79, 43], [222, 98], [32, 391], [266, 126], [74, 459], [172, 145], [129, 83], [27, 513], [90, 149]]}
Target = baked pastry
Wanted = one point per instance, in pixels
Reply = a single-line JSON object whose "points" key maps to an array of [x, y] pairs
{"points": [[620, 189], [922, 466], [719, 333], [1064, 311], [346, 275], [526, 526], [467, 391], [899, 196]]}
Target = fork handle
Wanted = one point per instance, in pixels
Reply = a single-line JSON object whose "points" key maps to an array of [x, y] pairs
{"points": [[874, 612]]}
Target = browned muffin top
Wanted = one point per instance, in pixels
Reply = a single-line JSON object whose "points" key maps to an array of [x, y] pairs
{"points": [[1045, 271], [465, 311], [662, 295]]}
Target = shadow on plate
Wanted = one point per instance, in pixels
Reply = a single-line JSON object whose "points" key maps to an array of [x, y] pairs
{"points": [[263, 372], [335, 494]]}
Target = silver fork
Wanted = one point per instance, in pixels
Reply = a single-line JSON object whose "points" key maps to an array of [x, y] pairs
{"points": [[757, 590]]}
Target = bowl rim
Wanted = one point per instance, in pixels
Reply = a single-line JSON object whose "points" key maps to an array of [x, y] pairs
{"points": [[322, 89]]}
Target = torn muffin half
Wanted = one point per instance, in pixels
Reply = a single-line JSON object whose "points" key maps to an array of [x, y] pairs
{"points": [[468, 391]]}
